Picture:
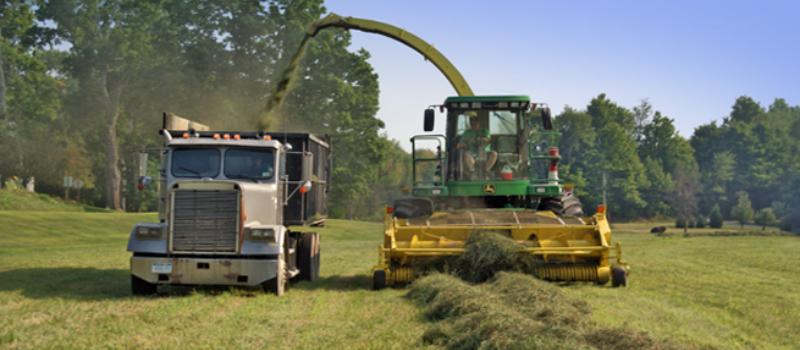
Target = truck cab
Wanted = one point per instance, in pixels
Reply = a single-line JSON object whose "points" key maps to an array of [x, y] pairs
{"points": [[227, 199]]}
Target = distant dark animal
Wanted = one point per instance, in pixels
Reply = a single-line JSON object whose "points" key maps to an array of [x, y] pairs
{"points": [[658, 230]]}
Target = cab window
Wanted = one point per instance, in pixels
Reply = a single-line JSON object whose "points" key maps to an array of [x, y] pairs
{"points": [[253, 164], [195, 162], [502, 123]]}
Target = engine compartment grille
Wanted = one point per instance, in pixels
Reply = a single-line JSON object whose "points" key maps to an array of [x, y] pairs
{"points": [[205, 221]]}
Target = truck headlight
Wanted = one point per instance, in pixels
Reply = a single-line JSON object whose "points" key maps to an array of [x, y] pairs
{"points": [[144, 232], [261, 234]]}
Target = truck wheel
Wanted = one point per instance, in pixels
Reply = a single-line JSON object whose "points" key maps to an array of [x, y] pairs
{"points": [[379, 280], [278, 284], [308, 259], [142, 287], [618, 277]]}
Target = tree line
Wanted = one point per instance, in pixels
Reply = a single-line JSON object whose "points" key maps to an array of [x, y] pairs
{"points": [[746, 168], [83, 84]]}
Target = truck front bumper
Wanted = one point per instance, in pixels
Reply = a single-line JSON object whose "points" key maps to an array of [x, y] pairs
{"points": [[204, 271]]}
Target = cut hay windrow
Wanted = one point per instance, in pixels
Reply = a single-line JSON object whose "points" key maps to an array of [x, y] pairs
{"points": [[511, 310], [487, 252]]}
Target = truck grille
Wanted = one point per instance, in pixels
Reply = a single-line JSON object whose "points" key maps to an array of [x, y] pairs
{"points": [[205, 221]]}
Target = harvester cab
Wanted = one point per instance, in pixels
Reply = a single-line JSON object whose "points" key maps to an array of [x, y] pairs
{"points": [[502, 154], [495, 169]]}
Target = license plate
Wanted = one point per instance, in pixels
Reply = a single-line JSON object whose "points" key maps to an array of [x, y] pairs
{"points": [[161, 268]]}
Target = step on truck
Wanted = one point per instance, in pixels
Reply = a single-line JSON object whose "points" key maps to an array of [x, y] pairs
{"points": [[228, 203]]}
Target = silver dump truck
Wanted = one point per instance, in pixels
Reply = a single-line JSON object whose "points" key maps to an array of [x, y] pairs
{"points": [[227, 202]]}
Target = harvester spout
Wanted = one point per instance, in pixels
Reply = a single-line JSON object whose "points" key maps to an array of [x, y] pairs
{"points": [[424, 48]]}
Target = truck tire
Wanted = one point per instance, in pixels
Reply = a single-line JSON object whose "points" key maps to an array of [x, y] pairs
{"points": [[142, 287], [278, 284], [308, 258], [566, 205]]}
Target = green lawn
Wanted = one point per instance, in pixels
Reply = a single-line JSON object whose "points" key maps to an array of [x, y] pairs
{"points": [[64, 283], [17, 199]]}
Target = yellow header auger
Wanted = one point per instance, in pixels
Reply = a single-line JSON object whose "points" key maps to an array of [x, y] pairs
{"points": [[494, 170], [566, 248]]}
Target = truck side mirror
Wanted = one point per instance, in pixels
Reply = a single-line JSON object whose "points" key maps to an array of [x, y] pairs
{"points": [[547, 119], [429, 115], [308, 166]]}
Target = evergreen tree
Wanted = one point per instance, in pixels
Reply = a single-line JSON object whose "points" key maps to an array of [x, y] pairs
{"points": [[715, 217]]}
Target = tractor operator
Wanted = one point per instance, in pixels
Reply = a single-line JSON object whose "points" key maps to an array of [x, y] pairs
{"points": [[476, 142]]}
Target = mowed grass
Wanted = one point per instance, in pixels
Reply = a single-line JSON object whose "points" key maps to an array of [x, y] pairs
{"points": [[19, 199], [64, 283], [727, 292]]}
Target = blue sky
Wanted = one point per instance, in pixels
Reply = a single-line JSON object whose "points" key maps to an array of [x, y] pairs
{"points": [[689, 59]]}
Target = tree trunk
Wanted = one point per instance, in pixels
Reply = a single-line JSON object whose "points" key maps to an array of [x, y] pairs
{"points": [[2, 90], [111, 98], [113, 174]]}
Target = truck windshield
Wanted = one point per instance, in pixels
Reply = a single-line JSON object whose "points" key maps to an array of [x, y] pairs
{"points": [[195, 162], [253, 164]]}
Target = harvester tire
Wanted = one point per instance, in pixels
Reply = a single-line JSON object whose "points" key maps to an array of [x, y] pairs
{"points": [[566, 205], [142, 287], [278, 284], [379, 280], [619, 277], [308, 259], [406, 208]]}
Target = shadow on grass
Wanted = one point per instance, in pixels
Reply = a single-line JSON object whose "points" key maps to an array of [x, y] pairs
{"points": [[81, 283], [339, 283], [84, 283]]}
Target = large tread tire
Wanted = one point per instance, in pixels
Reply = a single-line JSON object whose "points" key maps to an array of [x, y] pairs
{"points": [[619, 277], [567, 205], [379, 280], [308, 258], [278, 284], [142, 287], [407, 208]]}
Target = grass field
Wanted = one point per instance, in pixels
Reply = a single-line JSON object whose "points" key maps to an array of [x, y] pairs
{"points": [[17, 199], [64, 283]]}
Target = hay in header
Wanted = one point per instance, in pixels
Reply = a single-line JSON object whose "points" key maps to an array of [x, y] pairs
{"points": [[487, 252]]}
